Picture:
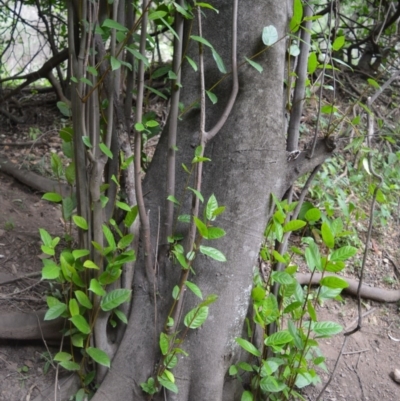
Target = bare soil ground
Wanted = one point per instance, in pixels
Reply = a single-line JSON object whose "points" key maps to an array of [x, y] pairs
{"points": [[362, 374]]}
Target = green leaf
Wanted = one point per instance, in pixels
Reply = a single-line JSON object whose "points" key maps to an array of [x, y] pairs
{"points": [[312, 63], [313, 214], [201, 227], [192, 63], [48, 250], [172, 75], [125, 241], [83, 299], [121, 316], [271, 365], [329, 109], [343, 253], [69, 365], [164, 343], [55, 311], [293, 225], [326, 329], [152, 124], [80, 323], [184, 218], [51, 301], [218, 60], [181, 259], [99, 356], [157, 15], [170, 361], [219, 210], [172, 198], [62, 356], [196, 317], [86, 141], [78, 340], [105, 150], [86, 81], [278, 257], [297, 16], [311, 311], [131, 216], [247, 396], [279, 338], [270, 309], [139, 127], [248, 346], [212, 253], [65, 109], [79, 253], [327, 235], [67, 133], [156, 92], [212, 206], [115, 298], [198, 194], [109, 237], [45, 237], [70, 173], [293, 306], [138, 55], [92, 70], [96, 287], [201, 40], [212, 97], [109, 23], [52, 197], [282, 277], [245, 366], [215, 232], [175, 292], [90, 265], [255, 65], [337, 226], [233, 370], [338, 43], [68, 206], [149, 386], [73, 307], [206, 5], [258, 294], [313, 256], [334, 282], [334, 267], [269, 35], [366, 165], [170, 28], [380, 197], [373, 83], [159, 72], [80, 222], [209, 300], [50, 270], [194, 288], [168, 385]]}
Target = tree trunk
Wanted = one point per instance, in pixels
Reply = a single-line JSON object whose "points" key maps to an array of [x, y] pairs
{"points": [[248, 164]]}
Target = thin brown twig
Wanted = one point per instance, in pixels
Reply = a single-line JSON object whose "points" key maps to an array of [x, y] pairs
{"points": [[4, 296], [334, 369], [13, 280]]}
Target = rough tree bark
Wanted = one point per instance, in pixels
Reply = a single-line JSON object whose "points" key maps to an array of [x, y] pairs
{"points": [[248, 164]]}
